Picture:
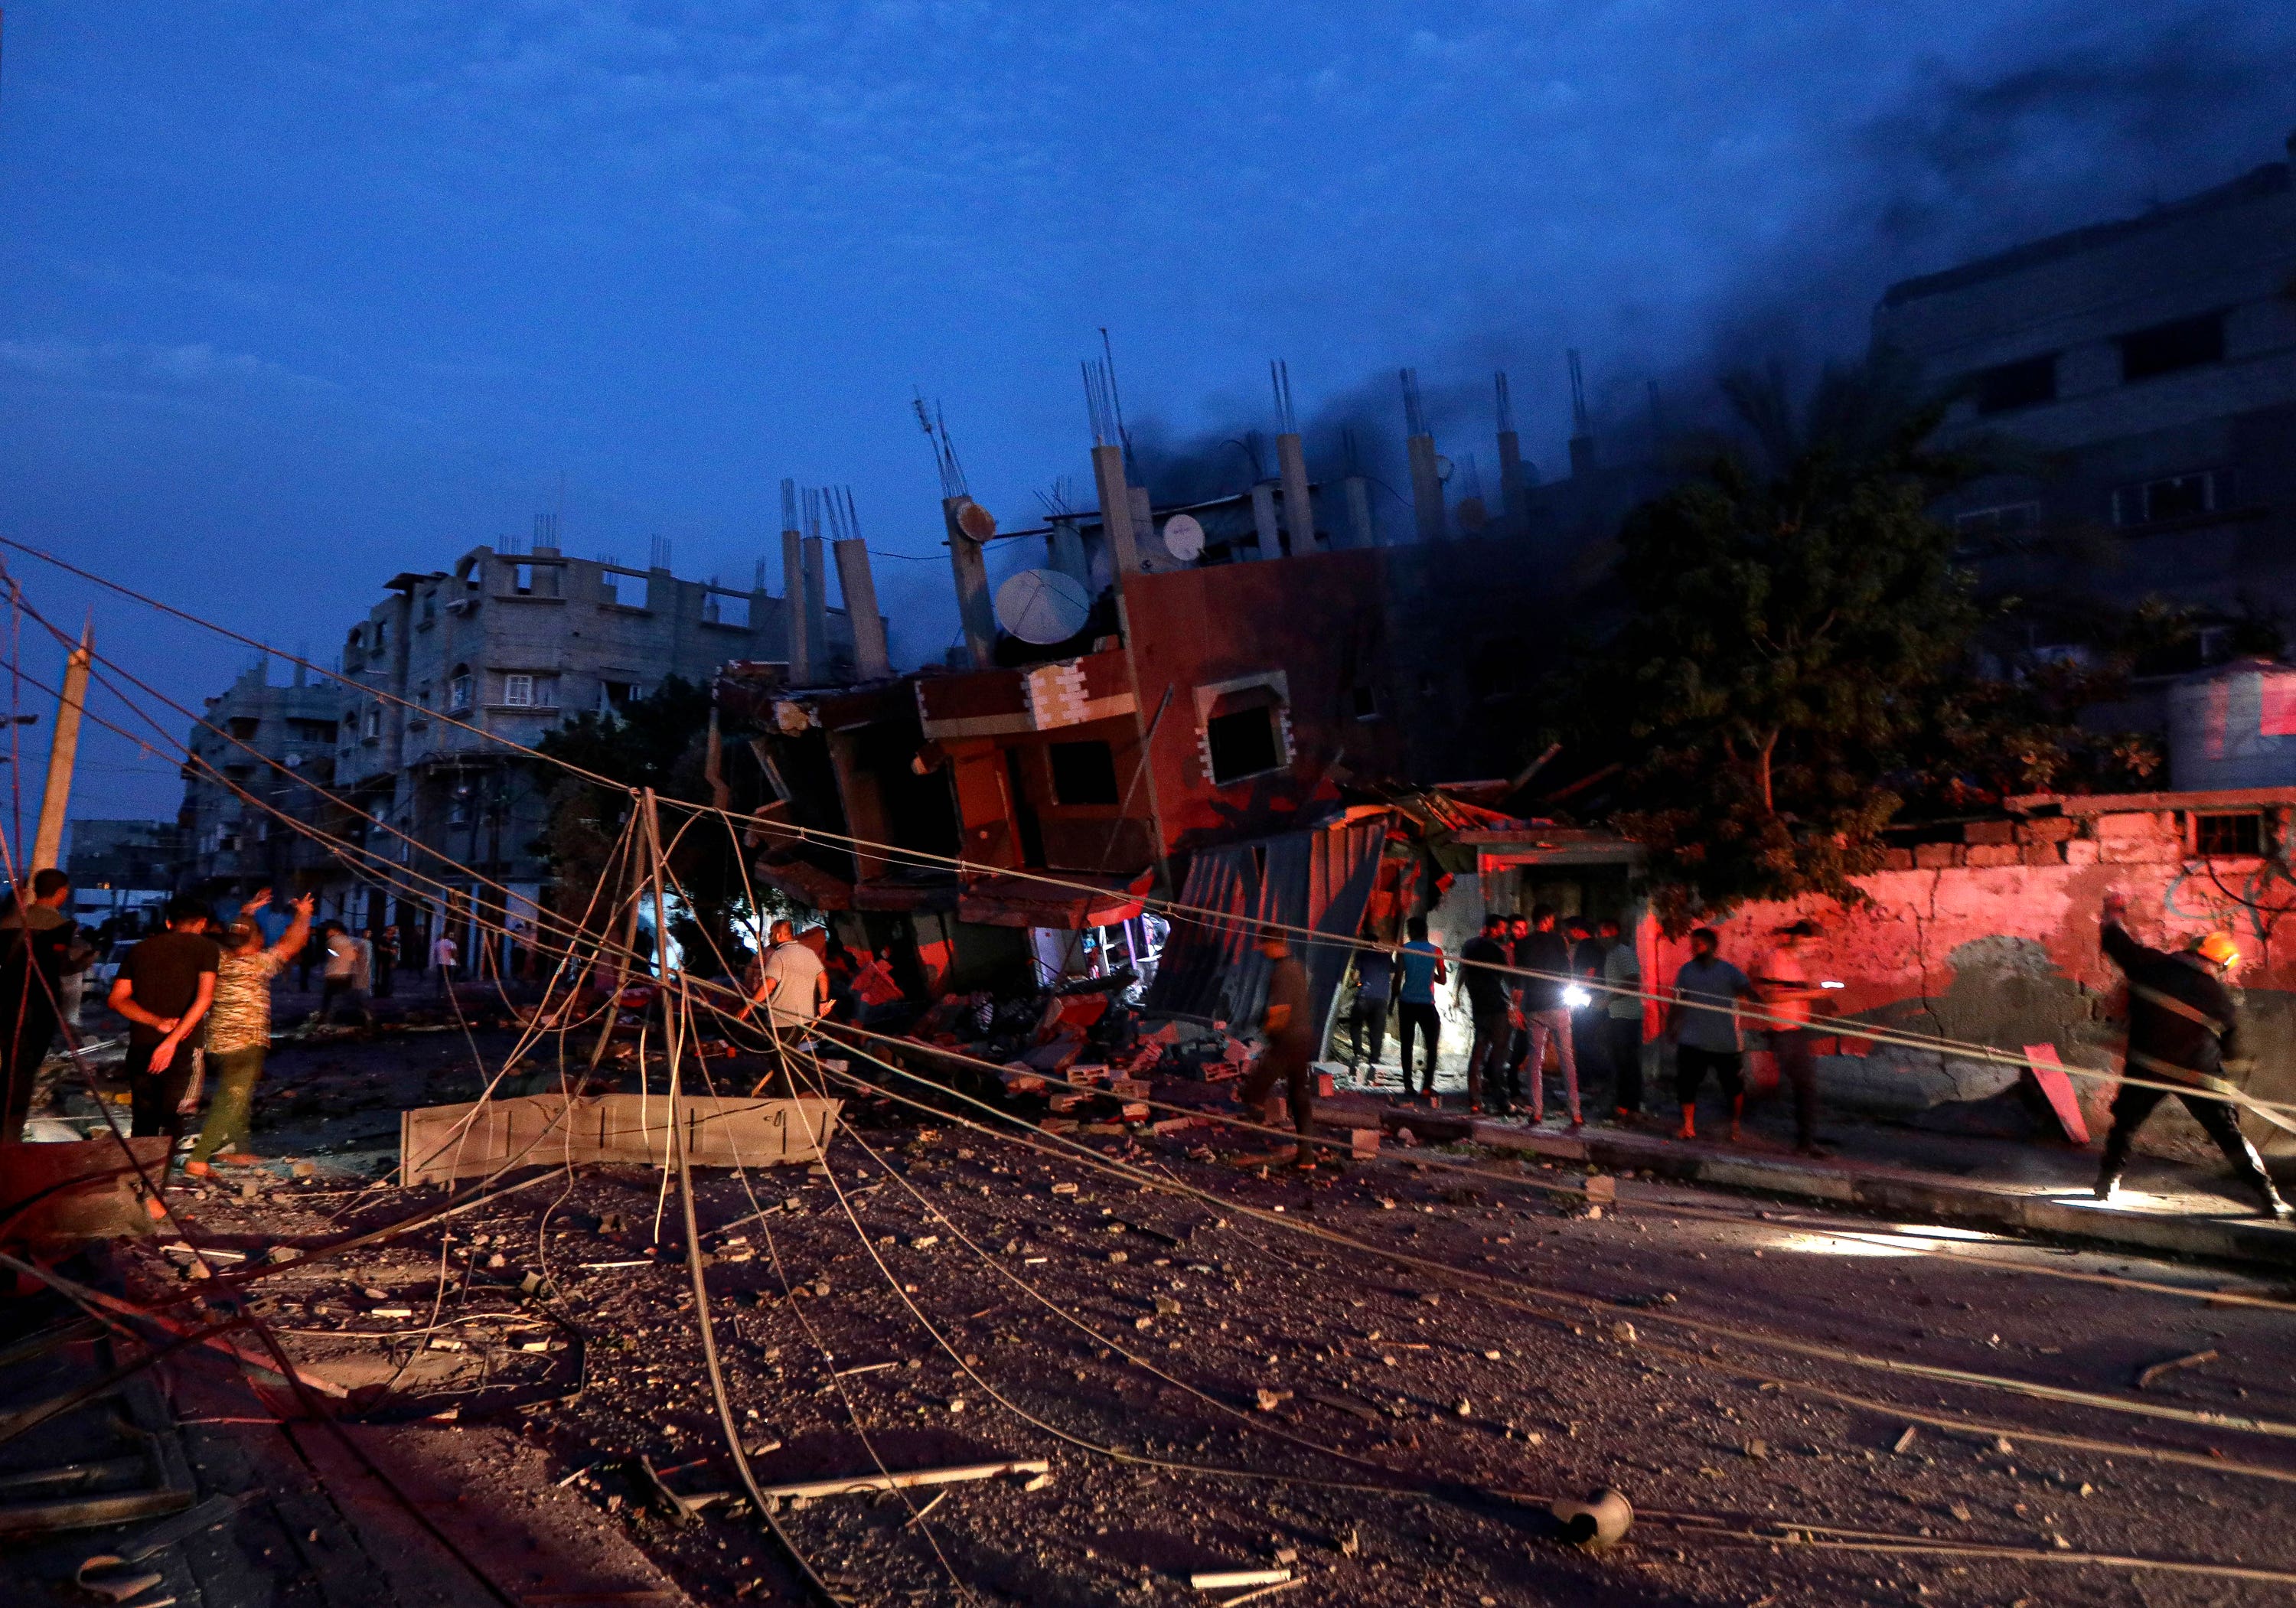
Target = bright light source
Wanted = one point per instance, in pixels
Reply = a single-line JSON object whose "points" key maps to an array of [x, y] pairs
{"points": [[1832, 985], [1574, 996]]}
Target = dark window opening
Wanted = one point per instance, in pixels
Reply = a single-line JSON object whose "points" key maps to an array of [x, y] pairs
{"points": [[2166, 348], [1084, 772], [2235, 834], [1494, 670], [1024, 813], [245, 726], [2022, 384], [2175, 496], [1244, 744], [1363, 702]]}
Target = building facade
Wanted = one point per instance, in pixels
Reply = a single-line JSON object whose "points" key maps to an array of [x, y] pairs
{"points": [[259, 753], [455, 670], [2139, 380]]}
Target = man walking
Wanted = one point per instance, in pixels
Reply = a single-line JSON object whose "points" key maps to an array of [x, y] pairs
{"points": [[1423, 968], [1288, 1038], [239, 1026], [39, 947], [1704, 1021], [1483, 964], [2184, 1029], [346, 973], [1786, 997], [164, 988], [1375, 989], [1622, 1022], [1546, 954]]}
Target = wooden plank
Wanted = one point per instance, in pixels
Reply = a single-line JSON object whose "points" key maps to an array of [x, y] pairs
{"points": [[439, 1143], [906, 1480]]}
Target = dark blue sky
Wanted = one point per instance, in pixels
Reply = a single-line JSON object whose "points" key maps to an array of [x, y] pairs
{"points": [[293, 298]]}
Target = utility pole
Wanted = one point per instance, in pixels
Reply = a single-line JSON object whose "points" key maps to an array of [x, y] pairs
{"points": [[63, 750]]}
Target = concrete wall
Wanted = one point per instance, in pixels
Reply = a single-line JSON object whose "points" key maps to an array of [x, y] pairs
{"points": [[1978, 945]]}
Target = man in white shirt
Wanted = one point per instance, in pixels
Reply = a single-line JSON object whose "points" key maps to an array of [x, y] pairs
{"points": [[345, 975], [1786, 997], [792, 985], [443, 958]]}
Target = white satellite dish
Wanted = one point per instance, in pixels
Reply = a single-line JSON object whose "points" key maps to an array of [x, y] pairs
{"points": [[1043, 606], [1184, 538]]}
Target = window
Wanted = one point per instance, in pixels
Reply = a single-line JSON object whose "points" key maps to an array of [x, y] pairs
{"points": [[459, 689], [245, 726], [521, 580], [312, 731], [2166, 348], [431, 607], [726, 609], [1244, 743], [1363, 702], [1494, 669], [2176, 496], [624, 589], [374, 724], [518, 691], [1084, 772], [2025, 383], [382, 635], [354, 647], [615, 696], [2228, 834]]}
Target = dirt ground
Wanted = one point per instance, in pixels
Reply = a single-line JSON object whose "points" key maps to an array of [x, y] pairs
{"points": [[1216, 1383]]}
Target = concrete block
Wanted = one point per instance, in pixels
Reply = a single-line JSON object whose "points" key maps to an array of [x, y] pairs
{"points": [[2138, 851], [2042, 853], [1937, 857], [1896, 859], [2047, 829], [2142, 823], [1990, 832], [1993, 854], [2080, 851]]}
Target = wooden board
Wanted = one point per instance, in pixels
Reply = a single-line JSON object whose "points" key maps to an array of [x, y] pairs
{"points": [[440, 1143]]}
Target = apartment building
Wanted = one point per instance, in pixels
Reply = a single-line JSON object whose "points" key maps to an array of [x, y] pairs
{"points": [[259, 751]]}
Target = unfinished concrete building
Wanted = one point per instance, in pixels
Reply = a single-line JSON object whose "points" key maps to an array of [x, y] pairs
{"points": [[505, 645]]}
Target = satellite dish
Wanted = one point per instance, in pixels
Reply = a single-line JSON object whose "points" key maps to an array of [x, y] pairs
{"points": [[1442, 467], [1043, 606], [1184, 538], [975, 520]]}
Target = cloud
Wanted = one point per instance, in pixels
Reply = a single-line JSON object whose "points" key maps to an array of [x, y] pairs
{"points": [[188, 366]]}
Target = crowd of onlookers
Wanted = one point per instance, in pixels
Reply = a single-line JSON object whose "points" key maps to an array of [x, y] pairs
{"points": [[1542, 990]]}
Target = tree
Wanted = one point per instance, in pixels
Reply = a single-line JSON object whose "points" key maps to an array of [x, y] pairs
{"points": [[1792, 615]]}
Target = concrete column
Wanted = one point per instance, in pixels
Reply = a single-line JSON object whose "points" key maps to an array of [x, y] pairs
{"points": [[1115, 510], [816, 609], [976, 610], [1064, 550], [1263, 518], [801, 644], [871, 661], [1514, 492], [1299, 511], [1361, 532], [1426, 489]]}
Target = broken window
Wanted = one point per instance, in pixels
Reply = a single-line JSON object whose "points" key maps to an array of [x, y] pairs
{"points": [[616, 696], [1362, 702], [2240, 834], [245, 726], [1244, 743], [2165, 349], [1084, 772], [2024, 383]]}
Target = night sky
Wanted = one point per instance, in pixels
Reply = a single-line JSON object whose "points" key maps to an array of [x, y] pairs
{"points": [[293, 298]]}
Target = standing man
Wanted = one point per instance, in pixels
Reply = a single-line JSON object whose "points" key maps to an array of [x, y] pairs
{"points": [[1546, 953], [443, 958], [1509, 1093], [1375, 989], [1786, 997], [386, 959], [239, 1026], [1622, 1022], [344, 976], [1288, 1039], [790, 980], [1483, 962], [2184, 1029], [1423, 968], [39, 947], [1704, 1021], [164, 988]]}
